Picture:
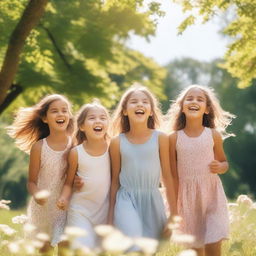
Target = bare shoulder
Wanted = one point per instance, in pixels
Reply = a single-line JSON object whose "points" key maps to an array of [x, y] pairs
{"points": [[162, 135], [73, 152], [114, 143], [36, 147], [216, 136], [173, 137]]}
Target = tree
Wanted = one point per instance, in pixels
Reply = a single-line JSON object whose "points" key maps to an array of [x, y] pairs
{"points": [[240, 18], [79, 48]]}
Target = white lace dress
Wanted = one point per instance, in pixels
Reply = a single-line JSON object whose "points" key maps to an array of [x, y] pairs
{"points": [[48, 218], [201, 199]]}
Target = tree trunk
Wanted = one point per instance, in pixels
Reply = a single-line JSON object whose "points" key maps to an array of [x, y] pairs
{"points": [[28, 21]]}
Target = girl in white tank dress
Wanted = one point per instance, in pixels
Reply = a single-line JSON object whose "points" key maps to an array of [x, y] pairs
{"points": [[197, 155], [90, 159], [45, 130]]}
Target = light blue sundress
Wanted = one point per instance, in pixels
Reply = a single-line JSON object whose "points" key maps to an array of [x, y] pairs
{"points": [[139, 209]]}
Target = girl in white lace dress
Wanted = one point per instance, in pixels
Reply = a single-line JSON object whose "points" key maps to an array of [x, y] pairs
{"points": [[197, 156], [44, 130], [90, 159]]}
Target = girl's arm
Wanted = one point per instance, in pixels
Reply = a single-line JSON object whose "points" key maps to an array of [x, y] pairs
{"points": [[62, 203], [166, 173], [115, 157], [34, 167], [220, 164], [173, 161]]}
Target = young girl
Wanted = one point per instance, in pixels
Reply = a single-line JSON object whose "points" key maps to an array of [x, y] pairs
{"points": [[90, 159], [196, 154], [44, 130], [139, 156]]}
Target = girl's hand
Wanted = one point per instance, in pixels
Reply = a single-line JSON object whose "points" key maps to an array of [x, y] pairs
{"points": [[41, 196], [78, 183], [62, 204], [215, 166], [167, 231]]}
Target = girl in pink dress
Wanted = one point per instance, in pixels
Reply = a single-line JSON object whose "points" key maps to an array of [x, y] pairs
{"points": [[197, 157], [44, 131]]}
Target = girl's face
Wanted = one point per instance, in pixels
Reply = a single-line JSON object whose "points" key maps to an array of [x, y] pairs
{"points": [[96, 123], [195, 103], [57, 115], [138, 107]]}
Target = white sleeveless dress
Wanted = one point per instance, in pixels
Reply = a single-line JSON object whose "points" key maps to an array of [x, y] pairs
{"points": [[89, 206], [48, 218], [201, 199]]}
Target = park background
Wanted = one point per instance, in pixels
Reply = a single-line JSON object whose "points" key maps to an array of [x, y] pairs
{"points": [[95, 48]]}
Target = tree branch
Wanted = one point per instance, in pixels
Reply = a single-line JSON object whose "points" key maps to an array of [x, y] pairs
{"points": [[29, 19]]}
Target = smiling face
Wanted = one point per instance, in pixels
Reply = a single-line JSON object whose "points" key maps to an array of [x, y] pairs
{"points": [[195, 103], [138, 107], [95, 124], [57, 116]]}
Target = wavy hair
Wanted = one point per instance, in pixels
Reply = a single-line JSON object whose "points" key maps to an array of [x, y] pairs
{"points": [[121, 122], [216, 118], [28, 126]]}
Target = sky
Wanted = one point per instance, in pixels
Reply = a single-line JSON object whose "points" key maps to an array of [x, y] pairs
{"points": [[201, 41]]}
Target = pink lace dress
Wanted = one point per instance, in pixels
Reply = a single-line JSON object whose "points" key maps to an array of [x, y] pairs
{"points": [[48, 218], [201, 199]]}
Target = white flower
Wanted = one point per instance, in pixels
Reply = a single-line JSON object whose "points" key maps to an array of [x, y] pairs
{"points": [[147, 245], [73, 232], [13, 247], [19, 219], [7, 230], [187, 253], [29, 248], [104, 230], [28, 228], [116, 242], [42, 194], [244, 199], [173, 226], [182, 238], [177, 219], [43, 237], [37, 244], [3, 204]]}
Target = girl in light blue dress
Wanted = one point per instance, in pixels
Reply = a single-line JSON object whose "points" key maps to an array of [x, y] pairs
{"points": [[139, 157]]}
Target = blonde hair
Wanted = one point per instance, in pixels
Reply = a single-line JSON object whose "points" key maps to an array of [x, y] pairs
{"points": [[81, 116], [216, 118], [28, 126], [121, 122]]}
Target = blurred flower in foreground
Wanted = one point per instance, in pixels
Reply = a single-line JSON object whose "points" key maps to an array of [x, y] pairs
{"points": [[147, 245], [7, 230], [43, 237], [182, 238], [21, 219], [116, 242], [244, 199], [187, 253], [72, 232], [3, 204], [28, 228], [13, 247], [104, 230], [42, 194]]}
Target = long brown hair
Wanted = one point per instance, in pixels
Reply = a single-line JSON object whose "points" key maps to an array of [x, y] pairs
{"points": [[28, 126], [121, 122], [81, 116], [216, 118]]}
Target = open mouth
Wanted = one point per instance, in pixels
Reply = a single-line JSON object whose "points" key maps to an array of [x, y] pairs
{"points": [[139, 112], [194, 108], [97, 129], [60, 121]]}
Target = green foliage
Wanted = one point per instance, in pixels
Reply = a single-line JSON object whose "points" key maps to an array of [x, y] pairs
{"points": [[79, 49], [240, 58], [13, 171]]}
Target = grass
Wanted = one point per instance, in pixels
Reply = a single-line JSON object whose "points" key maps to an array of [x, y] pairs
{"points": [[241, 241]]}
